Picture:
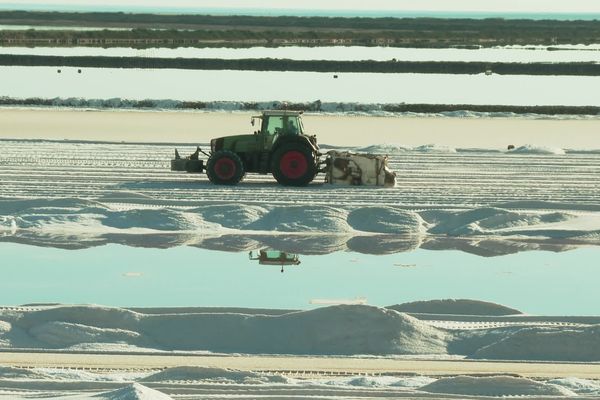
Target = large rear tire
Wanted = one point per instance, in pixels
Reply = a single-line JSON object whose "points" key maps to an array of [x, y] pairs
{"points": [[225, 168], [294, 164]]}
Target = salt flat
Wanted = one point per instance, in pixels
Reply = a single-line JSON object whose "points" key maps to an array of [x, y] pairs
{"points": [[457, 184], [335, 129], [428, 176]]}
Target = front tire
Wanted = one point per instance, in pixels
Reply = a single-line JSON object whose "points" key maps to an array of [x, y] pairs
{"points": [[225, 168], [294, 165]]}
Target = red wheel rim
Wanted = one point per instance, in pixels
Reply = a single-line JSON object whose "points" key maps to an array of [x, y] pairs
{"points": [[293, 164], [225, 168]]}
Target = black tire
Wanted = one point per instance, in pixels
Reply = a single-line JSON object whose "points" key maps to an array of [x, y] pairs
{"points": [[294, 164], [225, 168]]}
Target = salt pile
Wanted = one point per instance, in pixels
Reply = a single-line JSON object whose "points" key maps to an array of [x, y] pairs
{"points": [[494, 386], [331, 330], [383, 149], [533, 149], [160, 220], [213, 375], [93, 221], [434, 148], [490, 220], [397, 148], [555, 344], [456, 307], [335, 330], [305, 218], [21, 374], [235, 216], [577, 385], [328, 331], [134, 391], [385, 220]]}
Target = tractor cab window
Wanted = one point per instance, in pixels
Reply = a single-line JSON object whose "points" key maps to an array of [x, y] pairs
{"points": [[282, 125], [292, 126], [274, 125]]}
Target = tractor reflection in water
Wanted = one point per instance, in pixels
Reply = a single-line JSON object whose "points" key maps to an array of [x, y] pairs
{"points": [[274, 257]]}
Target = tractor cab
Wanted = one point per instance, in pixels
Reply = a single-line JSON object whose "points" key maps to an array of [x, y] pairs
{"points": [[279, 123], [276, 124]]}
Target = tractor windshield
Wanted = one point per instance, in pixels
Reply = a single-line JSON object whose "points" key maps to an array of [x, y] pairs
{"points": [[287, 125], [274, 125]]}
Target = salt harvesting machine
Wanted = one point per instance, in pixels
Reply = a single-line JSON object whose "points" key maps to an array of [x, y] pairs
{"points": [[282, 148]]}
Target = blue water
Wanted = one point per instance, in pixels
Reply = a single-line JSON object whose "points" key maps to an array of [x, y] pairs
{"points": [[298, 12], [536, 282]]}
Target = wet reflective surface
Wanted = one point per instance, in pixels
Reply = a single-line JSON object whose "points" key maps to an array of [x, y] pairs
{"points": [[306, 244], [536, 282], [564, 53], [192, 85]]}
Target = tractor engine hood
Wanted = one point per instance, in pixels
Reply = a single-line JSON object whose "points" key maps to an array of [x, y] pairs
{"points": [[226, 141]]}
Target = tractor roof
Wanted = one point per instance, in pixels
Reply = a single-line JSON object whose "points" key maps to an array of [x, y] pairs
{"points": [[279, 113]]}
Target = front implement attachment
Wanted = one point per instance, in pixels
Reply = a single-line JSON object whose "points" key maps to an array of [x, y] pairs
{"points": [[191, 163]]}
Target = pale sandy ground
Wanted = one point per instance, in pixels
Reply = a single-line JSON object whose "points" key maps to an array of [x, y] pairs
{"points": [[200, 127], [294, 364]]}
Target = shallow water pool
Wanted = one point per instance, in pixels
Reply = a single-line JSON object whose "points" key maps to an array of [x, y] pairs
{"points": [[535, 282]]}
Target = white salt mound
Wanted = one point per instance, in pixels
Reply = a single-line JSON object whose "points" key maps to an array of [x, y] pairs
{"points": [[383, 149], [409, 382], [62, 334], [533, 149], [359, 329], [434, 148], [328, 331], [80, 222], [20, 373], [306, 218], [555, 344], [66, 205], [455, 306], [385, 220], [547, 205], [352, 329], [8, 223], [220, 375], [488, 220], [577, 385], [92, 315], [134, 391], [367, 381], [157, 219], [336, 330], [459, 223], [413, 382], [235, 216], [494, 386], [4, 326]]}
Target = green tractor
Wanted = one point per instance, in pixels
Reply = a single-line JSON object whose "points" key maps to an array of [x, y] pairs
{"points": [[280, 147]]}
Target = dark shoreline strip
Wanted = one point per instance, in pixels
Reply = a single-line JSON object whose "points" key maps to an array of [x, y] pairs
{"points": [[315, 106], [269, 64]]}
